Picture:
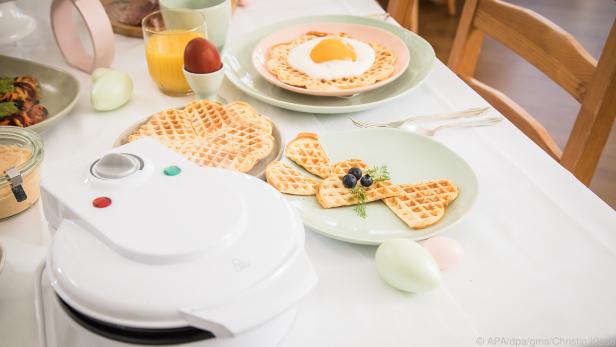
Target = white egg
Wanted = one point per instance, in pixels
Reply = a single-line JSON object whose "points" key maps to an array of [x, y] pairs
{"points": [[406, 265], [299, 59]]}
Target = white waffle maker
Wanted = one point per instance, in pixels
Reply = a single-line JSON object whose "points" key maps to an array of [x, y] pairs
{"points": [[150, 249]]}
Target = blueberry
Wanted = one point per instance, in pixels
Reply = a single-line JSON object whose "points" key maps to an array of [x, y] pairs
{"points": [[355, 171], [349, 181], [366, 181]]}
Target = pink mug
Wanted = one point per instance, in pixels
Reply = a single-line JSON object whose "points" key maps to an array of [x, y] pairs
{"points": [[99, 28]]}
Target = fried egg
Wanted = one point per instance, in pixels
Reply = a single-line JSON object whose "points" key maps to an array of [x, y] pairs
{"points": [[331, 58]]}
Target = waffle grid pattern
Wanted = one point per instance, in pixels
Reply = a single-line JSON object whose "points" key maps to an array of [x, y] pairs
{"points": [[289, 180], [169, 125], [423, 204], [307, 152]]}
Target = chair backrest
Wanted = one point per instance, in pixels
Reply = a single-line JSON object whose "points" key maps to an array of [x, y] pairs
{"points": [[405, 12], [560, 57]]}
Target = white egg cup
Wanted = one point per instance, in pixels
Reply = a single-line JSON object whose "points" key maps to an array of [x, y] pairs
{"points": [[205, 85]]}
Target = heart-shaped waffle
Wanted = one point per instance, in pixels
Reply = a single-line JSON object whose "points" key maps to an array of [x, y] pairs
{"points": [[168, 125], [289, 180], [208, 133], [332, 193], [306, 150], [423, 204]]}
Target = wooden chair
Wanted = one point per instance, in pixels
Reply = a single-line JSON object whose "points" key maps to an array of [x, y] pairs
{"points": [[558, 55], [451, 7], [406, 12]]}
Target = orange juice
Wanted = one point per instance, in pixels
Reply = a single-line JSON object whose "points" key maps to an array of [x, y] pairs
{"points": [[165, 56]]}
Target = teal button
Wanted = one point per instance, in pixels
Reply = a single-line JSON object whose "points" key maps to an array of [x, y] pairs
{"points": [[172, 170]]}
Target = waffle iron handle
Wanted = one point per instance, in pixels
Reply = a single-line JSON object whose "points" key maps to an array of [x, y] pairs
{"points": [[258, 305]]}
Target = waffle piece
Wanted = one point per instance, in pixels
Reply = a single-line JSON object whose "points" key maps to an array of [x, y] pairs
{"points": [[423, 204], [343, 167], [241, 110], [245, 138], [206, 116], [306, 150], [209, 134], [213, 155], [260, 124], [277, 64], [167, 125], [332, 193], [289, 180]]}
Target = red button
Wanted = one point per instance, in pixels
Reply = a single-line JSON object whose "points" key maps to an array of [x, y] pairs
{"points": [[101, 202]]}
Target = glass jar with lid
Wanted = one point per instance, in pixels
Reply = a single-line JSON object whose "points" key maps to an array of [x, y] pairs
{"points": [[21, 154]]}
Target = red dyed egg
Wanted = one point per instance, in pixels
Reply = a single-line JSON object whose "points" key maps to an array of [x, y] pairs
{"points": [[201, 56]]}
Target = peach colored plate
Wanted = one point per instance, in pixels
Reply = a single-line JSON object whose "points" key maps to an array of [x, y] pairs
{"points": [[360, 32]]}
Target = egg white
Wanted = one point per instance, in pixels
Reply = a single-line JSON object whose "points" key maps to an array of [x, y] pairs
{"points": [[299, 59]]}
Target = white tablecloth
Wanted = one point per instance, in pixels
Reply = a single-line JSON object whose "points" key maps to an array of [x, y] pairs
{"points": [[540, 247]]}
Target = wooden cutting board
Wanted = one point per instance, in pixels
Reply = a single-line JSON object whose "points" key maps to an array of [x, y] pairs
{"points": [[121, 28], [135, 30]]}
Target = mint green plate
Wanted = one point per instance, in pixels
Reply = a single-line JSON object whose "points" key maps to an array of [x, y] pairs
{"points": [[59, 89], [239, 69], [410, 158]]}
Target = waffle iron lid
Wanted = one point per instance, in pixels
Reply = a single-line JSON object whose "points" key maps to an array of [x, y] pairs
{"points": [[170, 239]]}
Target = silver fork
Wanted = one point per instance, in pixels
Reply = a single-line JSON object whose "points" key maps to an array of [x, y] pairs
{"points": [[431, 131], [471, 112]]}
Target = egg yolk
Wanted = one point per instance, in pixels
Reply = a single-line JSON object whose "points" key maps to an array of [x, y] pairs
{"points": [[332, 49]]}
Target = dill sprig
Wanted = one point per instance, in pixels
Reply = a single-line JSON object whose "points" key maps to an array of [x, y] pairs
{"points": [[378, 173], [360, 194]]}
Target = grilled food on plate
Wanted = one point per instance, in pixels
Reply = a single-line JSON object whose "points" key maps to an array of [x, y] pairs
{"points": [[19, 101]]}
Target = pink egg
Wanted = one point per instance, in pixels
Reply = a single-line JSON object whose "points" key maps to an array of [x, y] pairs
{"points": [[447, 252]]}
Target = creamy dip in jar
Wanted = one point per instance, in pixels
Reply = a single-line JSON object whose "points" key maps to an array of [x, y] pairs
{"points": [[21, 153]]}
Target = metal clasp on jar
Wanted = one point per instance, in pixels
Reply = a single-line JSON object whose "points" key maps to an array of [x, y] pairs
{"points": [[16, 181]]}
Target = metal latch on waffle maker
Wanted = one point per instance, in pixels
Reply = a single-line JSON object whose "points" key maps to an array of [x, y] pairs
{"points": [[16, 180]]}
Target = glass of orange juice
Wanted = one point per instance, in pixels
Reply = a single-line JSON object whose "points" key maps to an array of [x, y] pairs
{"points": [[166, 34]]}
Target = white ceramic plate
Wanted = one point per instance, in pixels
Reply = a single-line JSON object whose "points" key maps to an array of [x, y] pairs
{"points": [[410, 158]]}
